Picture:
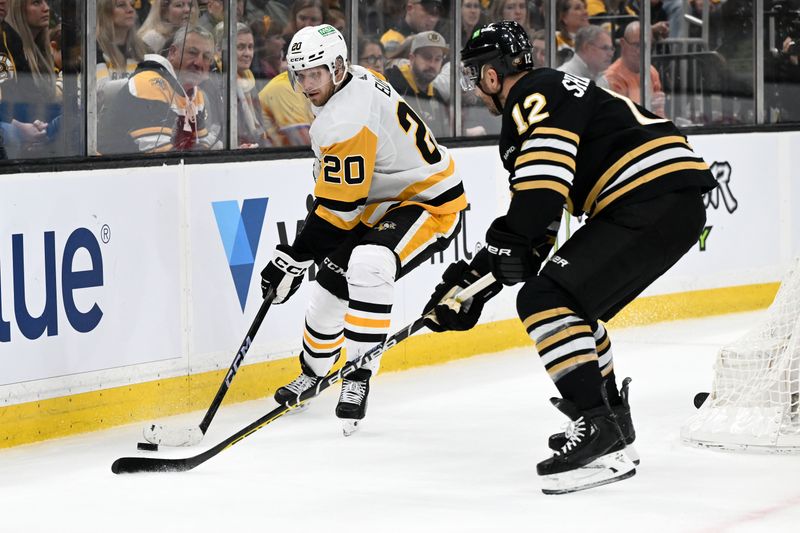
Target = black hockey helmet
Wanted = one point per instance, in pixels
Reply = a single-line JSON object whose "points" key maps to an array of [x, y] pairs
{"points": [[502, 45]]}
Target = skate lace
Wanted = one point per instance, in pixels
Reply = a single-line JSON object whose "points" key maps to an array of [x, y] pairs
{"points": [[353, 392], [574, 433], [301, 384]]}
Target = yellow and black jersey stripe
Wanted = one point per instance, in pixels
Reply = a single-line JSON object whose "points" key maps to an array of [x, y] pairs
{"points": [[647, 162], [547, 160], [591, 146]]}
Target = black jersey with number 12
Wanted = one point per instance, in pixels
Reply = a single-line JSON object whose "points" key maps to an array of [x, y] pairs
{"points": [[592, 146]]}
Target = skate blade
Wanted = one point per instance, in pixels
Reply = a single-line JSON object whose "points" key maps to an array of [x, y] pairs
{"points": [[298, 409], [632, 454], [609, 468], [350, 426]]}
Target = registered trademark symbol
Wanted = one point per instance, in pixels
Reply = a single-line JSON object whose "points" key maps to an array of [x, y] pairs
{"points": [[105, 233]]}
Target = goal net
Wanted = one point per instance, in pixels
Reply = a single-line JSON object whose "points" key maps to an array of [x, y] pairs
{"points": [[754, 404]]}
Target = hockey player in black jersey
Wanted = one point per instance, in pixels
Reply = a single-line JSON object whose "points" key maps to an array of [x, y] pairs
{"points": [[566, 142]]}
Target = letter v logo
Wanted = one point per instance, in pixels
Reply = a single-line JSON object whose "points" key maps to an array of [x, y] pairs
{"points": [[240, 232]]}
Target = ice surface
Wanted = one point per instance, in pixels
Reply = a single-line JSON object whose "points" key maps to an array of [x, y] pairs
{"points": [[446, 448]]}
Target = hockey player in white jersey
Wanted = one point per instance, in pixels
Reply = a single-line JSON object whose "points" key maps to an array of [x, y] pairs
{"points": [[387, 197]]}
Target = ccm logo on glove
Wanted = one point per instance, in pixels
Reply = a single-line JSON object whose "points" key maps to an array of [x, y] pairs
{"points": [[290, 268]]}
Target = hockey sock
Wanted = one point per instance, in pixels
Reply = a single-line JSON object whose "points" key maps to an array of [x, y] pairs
{"points": [[323, 336], [567, 348], [370, 284], [606, 361]]}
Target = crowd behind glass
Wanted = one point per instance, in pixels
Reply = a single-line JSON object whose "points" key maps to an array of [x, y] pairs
{"points": [[161, 82]]}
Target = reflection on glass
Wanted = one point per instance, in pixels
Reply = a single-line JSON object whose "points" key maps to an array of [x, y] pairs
{"points": [[707, 71], [782, 68]]}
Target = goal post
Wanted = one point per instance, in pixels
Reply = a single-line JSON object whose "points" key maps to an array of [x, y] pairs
{"points": [[754, 404]]}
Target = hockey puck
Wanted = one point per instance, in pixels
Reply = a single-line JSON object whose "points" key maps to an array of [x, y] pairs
{"points": [[699, 398], [147, 446]]}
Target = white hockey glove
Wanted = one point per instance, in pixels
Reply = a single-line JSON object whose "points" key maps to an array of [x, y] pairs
{"points": [[284, 273]]}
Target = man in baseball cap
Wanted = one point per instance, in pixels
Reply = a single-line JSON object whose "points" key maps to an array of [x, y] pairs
{"points": [[414, 80]]}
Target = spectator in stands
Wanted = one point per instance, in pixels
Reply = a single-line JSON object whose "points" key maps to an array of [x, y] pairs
{"points": [[215, 14], [58, 65], [142, 8], [15, 136], [249, 123], [414, 80], [119, 48], [162, 108], [471, 17], [539, 48], [594, 51], [305, 13], [269, 41], [336, 18], [163, 21], [670, 12], [35, 97], [371, 54], [420, 16], [571, 16], [624, 10], [623, 74], [516, 10], [286, 112], [275, 10], [609, 7]]}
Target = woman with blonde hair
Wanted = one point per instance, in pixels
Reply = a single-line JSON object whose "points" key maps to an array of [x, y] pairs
{"points": [[36, 91], [164, 19], [119, 48]]}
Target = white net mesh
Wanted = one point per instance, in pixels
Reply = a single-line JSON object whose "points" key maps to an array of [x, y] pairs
{"points": [[755, 398]]}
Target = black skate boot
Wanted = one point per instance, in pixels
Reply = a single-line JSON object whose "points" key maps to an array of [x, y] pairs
{"points": [[352, 407], [622, 412], [289, 394], [593, 454]]}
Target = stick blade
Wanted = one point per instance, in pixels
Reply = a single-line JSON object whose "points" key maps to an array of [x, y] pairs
{"points": [[134, 465], [165, 436]]}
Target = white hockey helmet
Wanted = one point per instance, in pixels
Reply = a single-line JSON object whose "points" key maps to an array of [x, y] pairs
{"points": [[317, 46]]}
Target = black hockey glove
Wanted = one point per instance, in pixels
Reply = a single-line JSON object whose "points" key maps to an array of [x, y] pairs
{"points": [[450, 315], [284, 273], [512, 258]]}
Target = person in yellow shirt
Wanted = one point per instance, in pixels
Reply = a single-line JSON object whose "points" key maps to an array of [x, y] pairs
{"points": [[286, 113]]}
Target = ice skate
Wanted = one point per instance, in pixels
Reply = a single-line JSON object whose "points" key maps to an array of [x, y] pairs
{"points": [[593, 454], [289, 394], [352, 406], [622, 412]]}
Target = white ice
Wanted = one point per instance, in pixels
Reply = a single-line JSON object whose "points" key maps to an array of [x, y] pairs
{"points": [[445, 448]]}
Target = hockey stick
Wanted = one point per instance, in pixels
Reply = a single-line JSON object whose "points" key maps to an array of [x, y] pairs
{"points": [[130, 465], [158, 434]]}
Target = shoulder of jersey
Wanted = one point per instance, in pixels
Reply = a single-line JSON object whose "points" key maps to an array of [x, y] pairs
{"points": [[346, 116]]}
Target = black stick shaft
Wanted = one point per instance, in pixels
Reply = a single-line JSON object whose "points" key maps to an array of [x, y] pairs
{"points": [[237, 361], [130, 465]]}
